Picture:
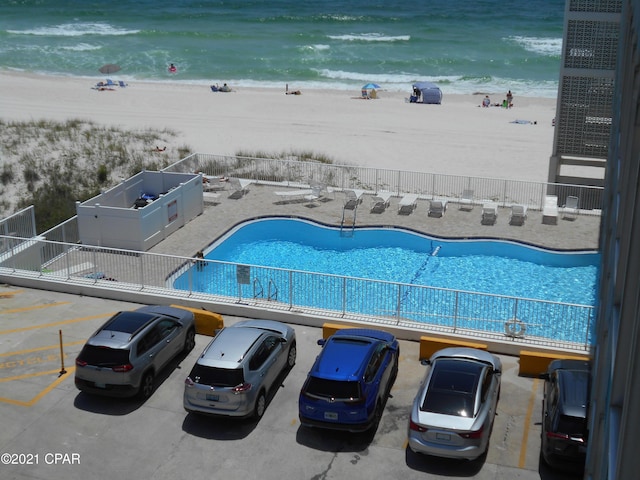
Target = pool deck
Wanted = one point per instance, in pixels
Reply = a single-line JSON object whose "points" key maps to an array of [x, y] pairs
{"points": [[228, 209]]}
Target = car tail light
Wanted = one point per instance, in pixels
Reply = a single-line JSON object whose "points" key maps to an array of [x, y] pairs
{"points": [[80, 363], [474, 434], [564, 436], [242, 388], [416, 428], [188, 382], [122, 368]]}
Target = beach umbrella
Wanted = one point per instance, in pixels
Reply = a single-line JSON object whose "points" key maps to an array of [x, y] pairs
{"points": [[369, 86], [109, 68]]}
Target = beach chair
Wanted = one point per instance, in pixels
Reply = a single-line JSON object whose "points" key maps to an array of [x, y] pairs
{"points": [[437, 208], [240, 187], [352, 198], [121, 83], [550, 210], [407, 204], [518, 215], [380, 202], [466, 200], [293, 195], [489, 213], [111, 83], [570, 209], [365, 94]]}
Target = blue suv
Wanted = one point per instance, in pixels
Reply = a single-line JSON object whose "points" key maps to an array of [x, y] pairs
{"points": [[349, 383]]}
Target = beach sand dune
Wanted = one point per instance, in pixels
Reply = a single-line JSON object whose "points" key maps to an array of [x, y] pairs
{"points": [[457, 137]]}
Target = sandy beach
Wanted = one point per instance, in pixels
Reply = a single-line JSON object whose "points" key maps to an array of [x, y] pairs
{"points": [[457, 137]]}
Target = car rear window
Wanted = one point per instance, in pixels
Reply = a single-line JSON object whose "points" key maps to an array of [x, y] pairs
{"points": [[219, 377], [104, 356], [339, 390], [451, 392], [572, 426]]}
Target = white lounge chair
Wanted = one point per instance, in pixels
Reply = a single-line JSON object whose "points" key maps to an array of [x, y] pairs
{"points": [[489, 213], [437, 207], [570, 210], [352, 198], [518, 215], [407, 204], [380, 202], [550, 210], [291, 195], [466, 200], [240, 186]]}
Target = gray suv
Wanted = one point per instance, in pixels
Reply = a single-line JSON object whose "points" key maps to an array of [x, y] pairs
{"points": [[238, 368], [124, 356]]}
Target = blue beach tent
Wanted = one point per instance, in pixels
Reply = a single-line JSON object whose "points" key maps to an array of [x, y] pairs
{"points": [[430, 92]]}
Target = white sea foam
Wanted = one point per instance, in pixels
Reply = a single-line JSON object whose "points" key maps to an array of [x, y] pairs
{"points": [[75, 30], [81, 47], [370, 37], [551, 47]]}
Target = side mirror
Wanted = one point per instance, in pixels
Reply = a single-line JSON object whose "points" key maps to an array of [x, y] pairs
{"points": [[283, 340], [321, 342], [545, 376], [425, 362], [497, 371]]}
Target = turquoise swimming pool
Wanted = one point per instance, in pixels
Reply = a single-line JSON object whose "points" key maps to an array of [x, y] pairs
{"points": [[480, 268]]}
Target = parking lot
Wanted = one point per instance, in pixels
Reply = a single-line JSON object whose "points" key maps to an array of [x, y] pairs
{"points": [[52, 431]]}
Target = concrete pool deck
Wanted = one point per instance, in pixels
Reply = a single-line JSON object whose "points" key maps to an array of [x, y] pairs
{"points": [[227, 210]]}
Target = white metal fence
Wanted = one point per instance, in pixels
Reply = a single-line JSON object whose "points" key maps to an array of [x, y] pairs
{"points": [[296, 173], [538, 322]]}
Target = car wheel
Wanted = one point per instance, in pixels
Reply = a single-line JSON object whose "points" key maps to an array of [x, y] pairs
{"points": [[377, 416], [147, 385], [291, 356], [190, 340], [261, 406]]}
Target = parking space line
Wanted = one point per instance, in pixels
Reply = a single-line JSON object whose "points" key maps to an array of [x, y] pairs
{"points": [[33, 307], [39, 349], [527, 424], [56, 324], [28, 375], [37, 398], [10, 294]]}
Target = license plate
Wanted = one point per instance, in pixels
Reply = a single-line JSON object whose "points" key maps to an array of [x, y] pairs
{"points": [[330, 416], [443, 436], [213, 398], [100, 385]]}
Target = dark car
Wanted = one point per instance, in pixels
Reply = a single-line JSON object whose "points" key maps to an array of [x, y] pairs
{"points": [[564, 414], [124, 356], [349, 383]]}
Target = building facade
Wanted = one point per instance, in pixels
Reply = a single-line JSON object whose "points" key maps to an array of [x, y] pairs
{"points": [[615, 401]]}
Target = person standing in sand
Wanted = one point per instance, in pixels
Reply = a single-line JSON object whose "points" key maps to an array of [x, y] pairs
{"points": [[509, 99]]}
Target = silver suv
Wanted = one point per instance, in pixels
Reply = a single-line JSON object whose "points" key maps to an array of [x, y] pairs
{"points": [[237, 370], [123, 357]]}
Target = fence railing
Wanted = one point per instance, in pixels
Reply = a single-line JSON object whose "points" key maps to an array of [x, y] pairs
{"points": [[295, 173], [543, 323]]}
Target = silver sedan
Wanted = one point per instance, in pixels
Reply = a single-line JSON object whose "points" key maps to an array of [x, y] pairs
{"points": [[453, 412]]}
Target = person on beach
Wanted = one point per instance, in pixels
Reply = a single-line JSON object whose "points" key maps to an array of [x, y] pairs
{"points": [[225, 88], [509, 99], [486, 102]]}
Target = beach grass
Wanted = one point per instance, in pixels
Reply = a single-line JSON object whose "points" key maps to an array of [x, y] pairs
{"points": [[52, 164]]}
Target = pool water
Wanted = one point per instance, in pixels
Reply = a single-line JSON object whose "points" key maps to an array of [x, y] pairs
{"points": [[395, 255], [400, 256]]}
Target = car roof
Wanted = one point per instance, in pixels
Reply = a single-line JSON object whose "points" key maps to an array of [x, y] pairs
{"points": [[230, 346], [344, 357]]}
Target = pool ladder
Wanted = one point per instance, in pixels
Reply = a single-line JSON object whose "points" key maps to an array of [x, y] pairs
{"points": [[348, 232], [258, 289]]}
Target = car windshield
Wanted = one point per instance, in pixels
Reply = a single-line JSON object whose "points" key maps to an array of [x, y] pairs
{"points": [[339, 390], [104, 356], [219, 377], [452, 389]]}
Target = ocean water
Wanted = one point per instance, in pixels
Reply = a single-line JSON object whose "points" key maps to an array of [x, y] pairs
{"points": [[464, 46]]}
